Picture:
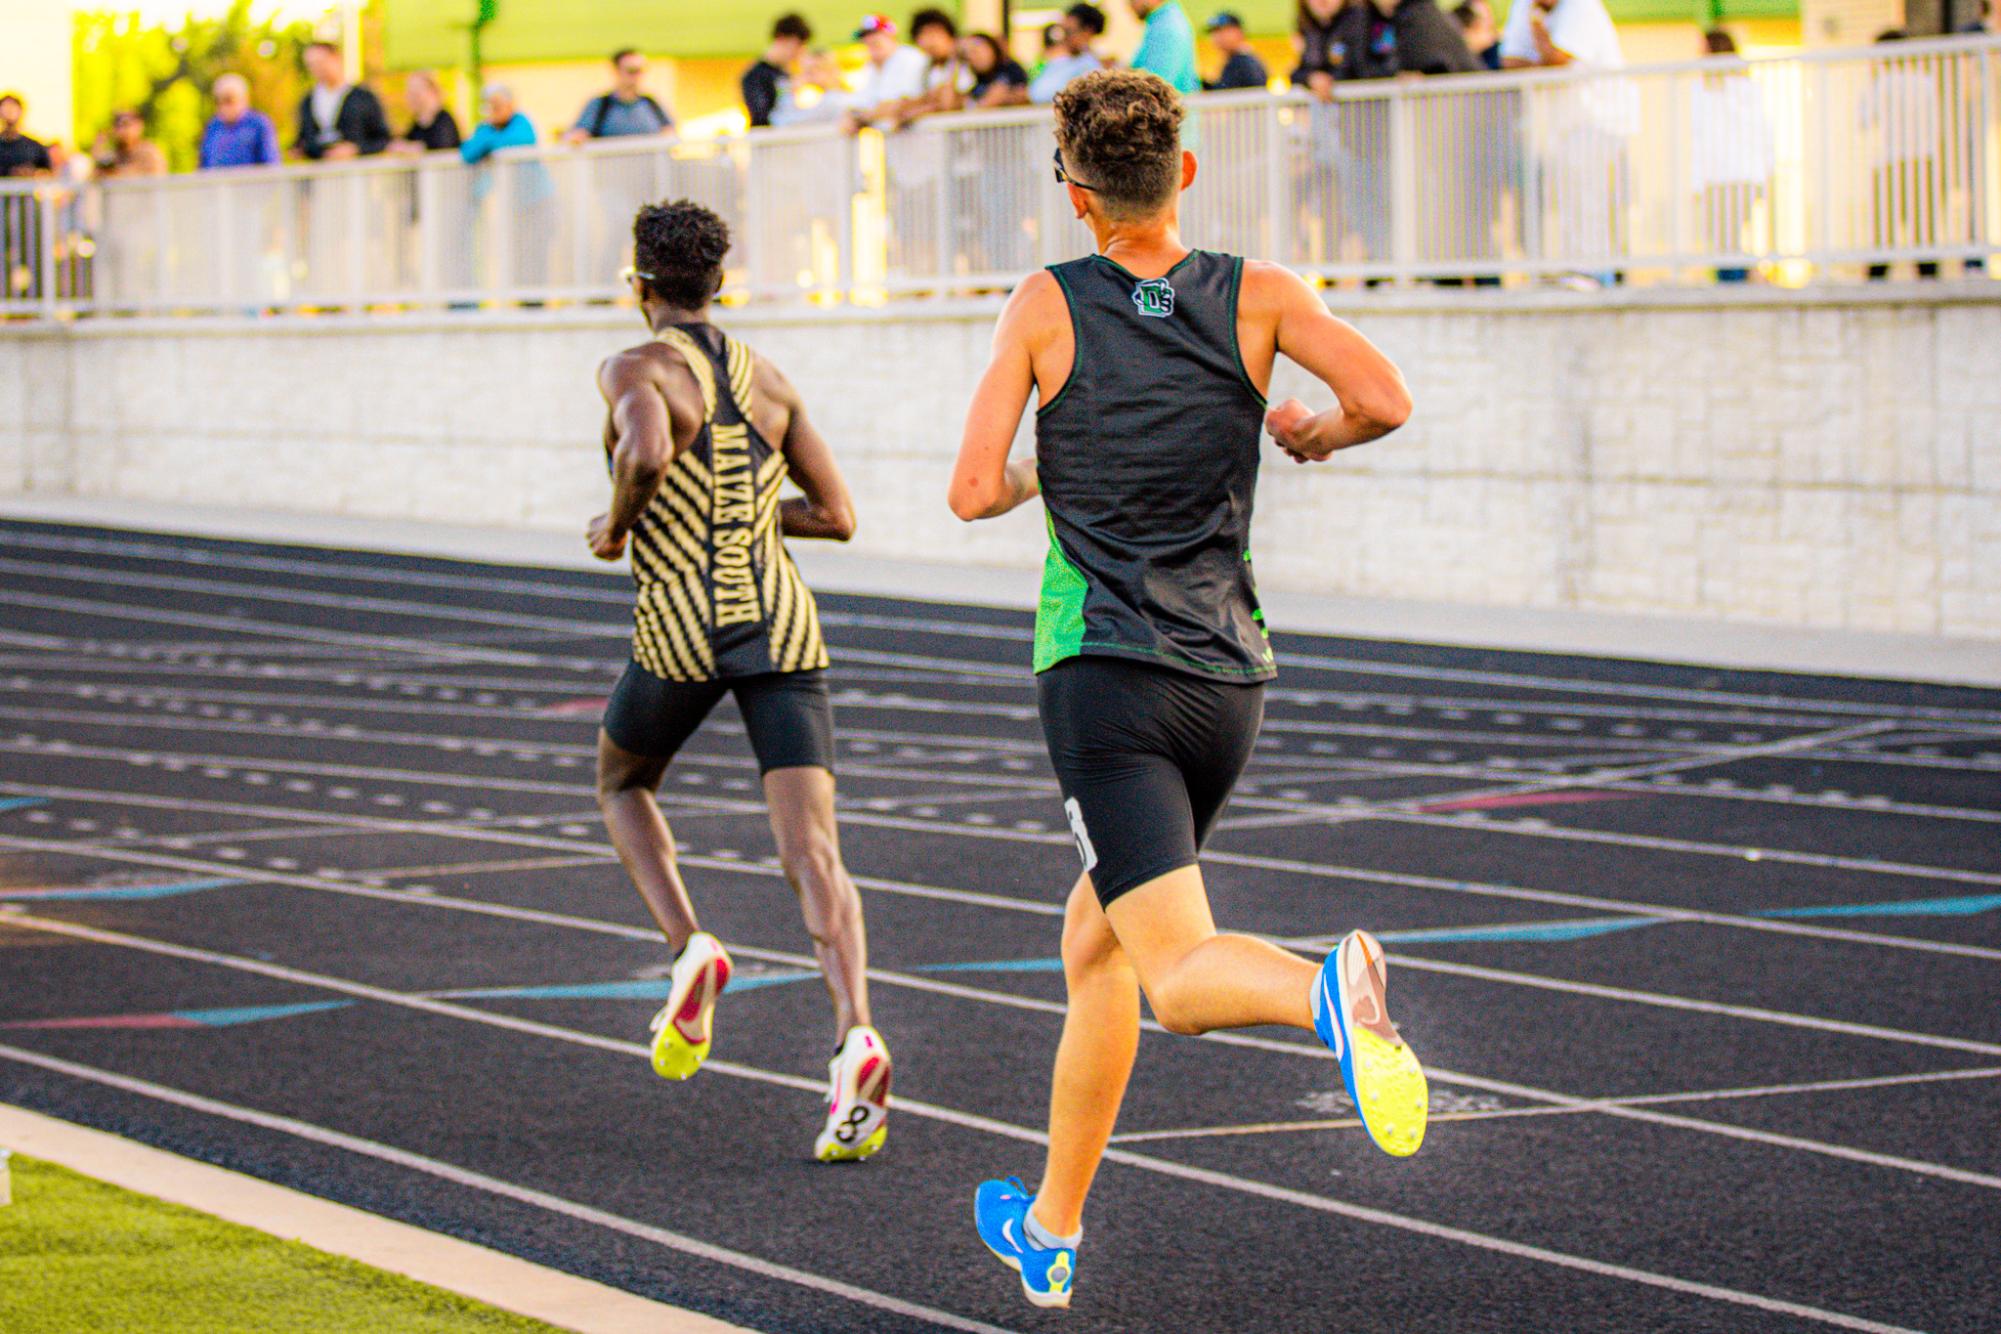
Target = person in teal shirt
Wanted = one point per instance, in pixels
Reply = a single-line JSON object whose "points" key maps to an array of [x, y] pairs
{"points": [[534, 193], [1168, 49]]}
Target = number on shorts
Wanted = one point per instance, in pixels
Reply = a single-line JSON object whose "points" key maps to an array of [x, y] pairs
{"points": [[1084, 848]]}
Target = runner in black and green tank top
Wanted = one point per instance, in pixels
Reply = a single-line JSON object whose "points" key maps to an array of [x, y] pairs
{"points": [[1151, 361]]}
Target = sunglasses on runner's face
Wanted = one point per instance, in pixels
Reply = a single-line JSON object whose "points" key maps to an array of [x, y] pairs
{"points": [[1063, 177], [628, 273]]}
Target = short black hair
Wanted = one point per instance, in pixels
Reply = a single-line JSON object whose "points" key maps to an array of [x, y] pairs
{"points": [[792, 25], [1719, 43], [681, 245], [1089, 17], [1892, 35], [932, 18], [618, 56]]}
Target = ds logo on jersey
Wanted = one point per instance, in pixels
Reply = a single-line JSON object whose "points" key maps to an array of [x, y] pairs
{"points": [[1154, 298]]}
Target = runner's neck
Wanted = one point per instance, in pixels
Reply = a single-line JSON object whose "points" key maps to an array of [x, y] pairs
{"points": [[1144, 249]]}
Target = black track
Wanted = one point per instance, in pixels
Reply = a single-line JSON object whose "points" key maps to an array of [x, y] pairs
{"points": [[387, 763]]}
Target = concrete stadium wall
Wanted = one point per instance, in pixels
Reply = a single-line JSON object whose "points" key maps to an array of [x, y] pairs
{"points": [[1821, 461]]}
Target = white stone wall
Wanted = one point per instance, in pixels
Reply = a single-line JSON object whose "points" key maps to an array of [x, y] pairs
{"points": [[1803, 461]]}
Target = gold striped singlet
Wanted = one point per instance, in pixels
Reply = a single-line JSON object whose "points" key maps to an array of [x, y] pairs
{"points": [[718, 595]]}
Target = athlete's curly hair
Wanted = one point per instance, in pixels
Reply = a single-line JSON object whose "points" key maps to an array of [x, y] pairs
{"points": [[682, 246], [1120, 132]]}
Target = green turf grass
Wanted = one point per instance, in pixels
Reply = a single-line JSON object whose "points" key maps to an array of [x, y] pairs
{"points": [[77, 1255]]}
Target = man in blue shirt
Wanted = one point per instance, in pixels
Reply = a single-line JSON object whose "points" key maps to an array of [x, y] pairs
{"points": [[239, 135], [1168, 48], [623, 111], [1082, 25]]}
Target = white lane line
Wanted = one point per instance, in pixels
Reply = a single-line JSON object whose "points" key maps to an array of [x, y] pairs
{"points": [[488, 833], [1591, 1105], [460, 1176], [1016, 1001], [125, 611], [1752, 1013], [1845, 805], [1659, 843], [1362, 1213], [1565, 782], [615, 595], [909, 1106]]}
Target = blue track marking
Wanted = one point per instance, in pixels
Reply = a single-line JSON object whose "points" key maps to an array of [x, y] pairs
{"points": [[1574, 929], [118, 891], [252, 1014], [1959, 907], [21, 803]]}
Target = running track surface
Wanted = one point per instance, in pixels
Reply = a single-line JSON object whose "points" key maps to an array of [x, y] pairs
{"points": [[302, 875]]}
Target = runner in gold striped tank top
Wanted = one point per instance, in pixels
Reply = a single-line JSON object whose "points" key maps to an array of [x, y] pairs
{"points": [[702, 435]]}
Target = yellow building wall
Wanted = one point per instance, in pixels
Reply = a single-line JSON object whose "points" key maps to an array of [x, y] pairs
{"points": [[35, 63]]}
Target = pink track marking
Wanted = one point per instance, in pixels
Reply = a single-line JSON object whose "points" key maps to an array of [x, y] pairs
{"points": [[1566, 798], [110, 1021], [565, 708]]}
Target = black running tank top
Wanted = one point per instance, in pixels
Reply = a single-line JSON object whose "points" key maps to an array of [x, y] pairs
{"points": [[1148, 459]]}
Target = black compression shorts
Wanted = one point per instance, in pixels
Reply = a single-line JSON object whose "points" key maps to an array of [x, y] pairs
{"points": [[788, 715], [1146, 757]]}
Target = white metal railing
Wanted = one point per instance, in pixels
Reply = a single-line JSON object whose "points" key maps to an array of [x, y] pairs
{"points": [[1830, 165]]}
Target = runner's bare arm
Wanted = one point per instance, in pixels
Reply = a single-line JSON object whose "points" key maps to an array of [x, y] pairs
{"points": [[984, 484], [1371, 399], [826, 510], [640, 431]]}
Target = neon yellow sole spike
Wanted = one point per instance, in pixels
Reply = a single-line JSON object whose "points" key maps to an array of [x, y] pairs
{"points": [[1391, 1087], [674, 1057]]}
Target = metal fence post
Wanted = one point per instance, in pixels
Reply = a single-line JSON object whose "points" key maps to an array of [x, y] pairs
{"points": [[1403, 183]]}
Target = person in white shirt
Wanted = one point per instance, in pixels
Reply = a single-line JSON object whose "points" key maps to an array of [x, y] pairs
{"points": [[1731, 152], [1581, 158], [895, 76], [1566, 32], [1899, 111]]}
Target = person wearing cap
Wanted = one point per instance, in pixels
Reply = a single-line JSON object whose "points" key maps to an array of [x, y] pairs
{"points": [[1241, 66], [895, 78], [1168, 47]]}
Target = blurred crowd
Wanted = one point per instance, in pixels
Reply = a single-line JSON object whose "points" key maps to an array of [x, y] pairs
{"points": [[929, 68]]}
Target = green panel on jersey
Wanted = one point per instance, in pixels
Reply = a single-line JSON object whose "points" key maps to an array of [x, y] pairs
{"points": [[1059, 615]]}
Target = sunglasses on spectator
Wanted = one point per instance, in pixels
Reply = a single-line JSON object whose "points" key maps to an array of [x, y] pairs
{"points": [[1063, 177]]}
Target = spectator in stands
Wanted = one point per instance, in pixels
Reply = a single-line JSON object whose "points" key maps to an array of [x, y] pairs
{"points": [[1167, 48], [829, 98], [506, 126], [1731, 152], [19, 155], [767, 83], [125, 150], [1052, 47], [1554, 33], [998, 78], [625, 110], [1483, 38], [433, 128], [947, 80], [238, 135], [338, 120], [1241, 66], [1901, 107], [1082, 25], [895, 78], [1386, 39], [1320, 51], [1984, 26]]}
